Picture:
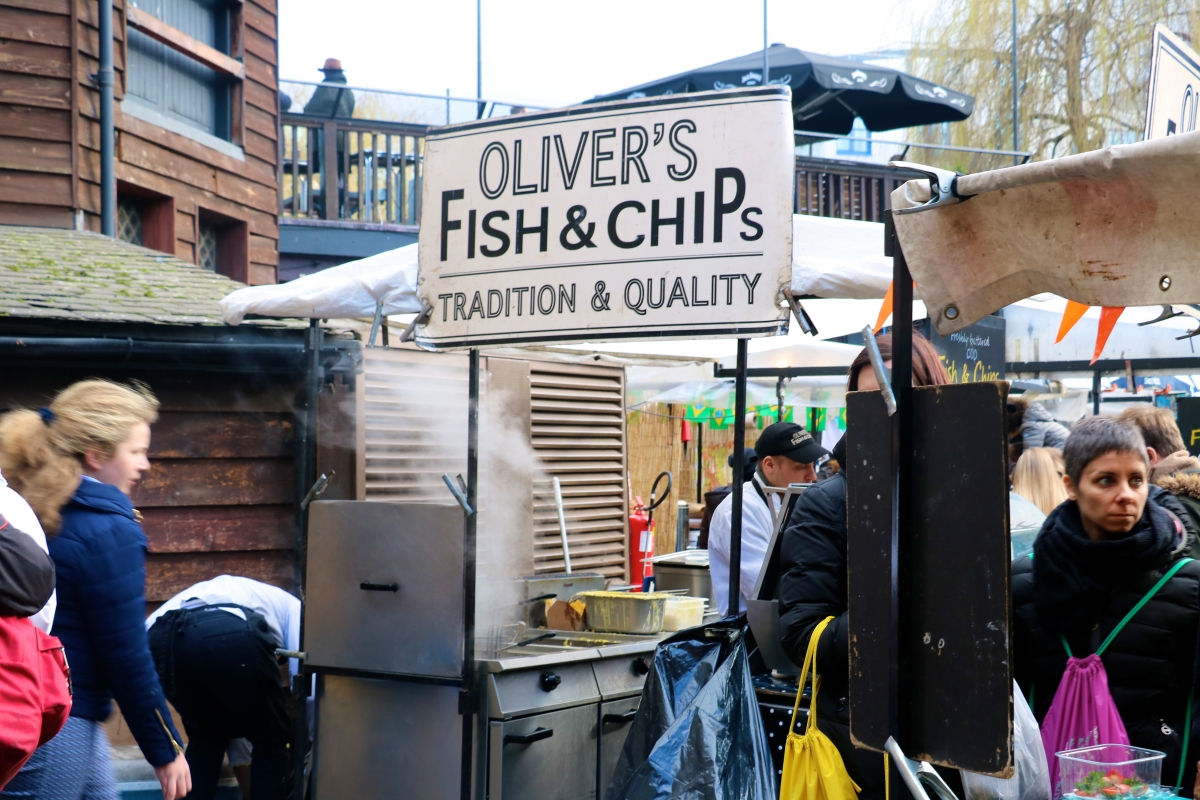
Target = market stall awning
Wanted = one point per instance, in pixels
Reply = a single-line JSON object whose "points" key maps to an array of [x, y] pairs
{"points": [[832, 258], [1114, 227], [827, 92]]}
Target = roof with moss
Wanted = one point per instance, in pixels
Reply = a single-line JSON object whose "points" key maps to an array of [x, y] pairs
{"points": [[51, 273]]}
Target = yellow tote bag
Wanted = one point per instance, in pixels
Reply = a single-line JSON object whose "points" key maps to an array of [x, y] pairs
{"points": [[812, 766]]}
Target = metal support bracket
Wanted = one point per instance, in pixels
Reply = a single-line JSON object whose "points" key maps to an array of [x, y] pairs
{"points": [[318, 489], [943, 186], [420, 319], [458, 493], [298, 654], [802, 317], [881, 371], [375, 325], [1167, 313], [918, 775]]}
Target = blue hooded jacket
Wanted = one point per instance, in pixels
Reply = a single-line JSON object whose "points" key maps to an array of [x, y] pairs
{"points": [[100, 558]]}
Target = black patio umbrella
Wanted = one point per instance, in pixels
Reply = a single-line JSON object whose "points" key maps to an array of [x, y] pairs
{"points": [[827, 93]]}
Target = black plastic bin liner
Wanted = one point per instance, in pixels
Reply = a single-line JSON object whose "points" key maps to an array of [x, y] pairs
{"points": [[698, 733]]}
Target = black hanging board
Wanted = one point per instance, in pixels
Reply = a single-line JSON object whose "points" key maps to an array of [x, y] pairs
{"points": [[954, 563], [1188, 411]]}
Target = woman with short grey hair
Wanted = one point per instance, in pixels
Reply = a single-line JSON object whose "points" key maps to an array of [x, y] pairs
{"points": [[1098, 554]]}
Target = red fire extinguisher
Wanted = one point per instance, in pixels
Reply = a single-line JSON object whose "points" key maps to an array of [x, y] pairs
{"points": [[641, 535]]}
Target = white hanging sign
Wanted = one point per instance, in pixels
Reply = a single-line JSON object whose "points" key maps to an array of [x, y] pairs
{"points": [[1174, 86], [663, 217]]}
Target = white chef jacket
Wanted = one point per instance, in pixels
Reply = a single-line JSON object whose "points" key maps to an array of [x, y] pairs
{"points": [[757, 526], [280, 609], [17, 511]]}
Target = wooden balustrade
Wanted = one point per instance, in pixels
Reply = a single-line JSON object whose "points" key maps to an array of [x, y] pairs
{"points": [[377, 171]]}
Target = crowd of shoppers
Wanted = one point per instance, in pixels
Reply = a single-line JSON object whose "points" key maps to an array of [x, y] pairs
{"points": [[1121, 505]]}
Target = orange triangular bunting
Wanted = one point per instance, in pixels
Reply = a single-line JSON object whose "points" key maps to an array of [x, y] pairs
{"points": [[1071, 315], [1108, 320], [885, 310]]}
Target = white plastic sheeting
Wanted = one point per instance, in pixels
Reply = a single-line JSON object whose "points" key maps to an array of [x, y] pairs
{"points": [[839, 258], [832, 258], [348, 291]]}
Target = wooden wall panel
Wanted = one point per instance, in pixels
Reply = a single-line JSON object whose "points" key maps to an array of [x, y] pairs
{"points": [[34, 155], [35, 59], [29, 214], [49, 125], [167, 574], [35, 188], [24, 25], [35, 90], [46, 6], [187, 529]]}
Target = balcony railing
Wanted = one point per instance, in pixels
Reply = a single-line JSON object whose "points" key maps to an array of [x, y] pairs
{"points": [[357, 170], [846, 189]]}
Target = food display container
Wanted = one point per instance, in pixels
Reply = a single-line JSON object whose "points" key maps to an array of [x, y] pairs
{"points": [[683, 612], [624, 612], [1116, 771]]}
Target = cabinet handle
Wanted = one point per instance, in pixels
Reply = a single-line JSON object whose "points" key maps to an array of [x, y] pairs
{"points": [[367, 586], [528, 738], [621, 718]]}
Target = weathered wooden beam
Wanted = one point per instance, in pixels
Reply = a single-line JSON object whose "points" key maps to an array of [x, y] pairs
{"points": [[179, 41]]}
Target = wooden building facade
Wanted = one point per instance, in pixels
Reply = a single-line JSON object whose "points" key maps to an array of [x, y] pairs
{"points": [[221, 494], [196, 117]]}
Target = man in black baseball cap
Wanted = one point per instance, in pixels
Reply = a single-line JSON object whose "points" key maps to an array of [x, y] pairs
{"points": [[786, 454]]}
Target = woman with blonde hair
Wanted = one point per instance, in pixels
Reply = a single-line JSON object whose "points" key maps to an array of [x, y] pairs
{"points": [[76, 463], [1038, 478]]}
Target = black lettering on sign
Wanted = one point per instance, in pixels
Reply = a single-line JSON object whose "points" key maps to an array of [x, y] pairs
{"points": [[565, 299], [449, 224], [689, 164], [477, 307], [635, 305], [678, 293], [546, 307], [471, 233], [460, 306], [545, 163], [493, 150], [698, 236], [662, 292], [657, 222], [575, 217], [696, 301], [758, 229], [540, 229], [518, 187], [498, 235], [729, 279], [569, 172], [720, 207], [507, 301], [494, 309], [520, 291], [612, 225], [750, 284], [633, 146], [599, 155], [445, 298]]}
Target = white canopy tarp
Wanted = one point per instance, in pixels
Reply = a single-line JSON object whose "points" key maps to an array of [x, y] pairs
{"points": [[348, 291], [1112, 227], [833, 258]]}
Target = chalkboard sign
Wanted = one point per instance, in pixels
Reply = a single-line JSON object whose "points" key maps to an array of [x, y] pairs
{"points": [[973, 354], [1189, 422]]}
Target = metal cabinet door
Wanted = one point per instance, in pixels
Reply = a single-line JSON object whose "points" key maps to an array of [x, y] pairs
{"points": [[615, 718], [385, 587], [527, 763]]}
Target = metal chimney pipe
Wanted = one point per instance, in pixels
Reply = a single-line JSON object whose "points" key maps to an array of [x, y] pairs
{"points": [[105, 78]]}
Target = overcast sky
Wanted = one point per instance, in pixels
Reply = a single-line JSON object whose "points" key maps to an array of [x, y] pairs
{"points": [[556, 52]]}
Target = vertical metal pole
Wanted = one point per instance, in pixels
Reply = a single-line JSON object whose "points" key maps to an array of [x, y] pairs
{"points": [[105, 78], [766, 62], [739, 479], [479, 59], [1096, 393], [1016, 139], [902, 334], [699, 462], [306, 476], [447, 106], [779, 399], [470, 526]]}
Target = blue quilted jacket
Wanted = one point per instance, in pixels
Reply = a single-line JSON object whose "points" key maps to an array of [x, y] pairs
{"points": [[100, 558]]}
